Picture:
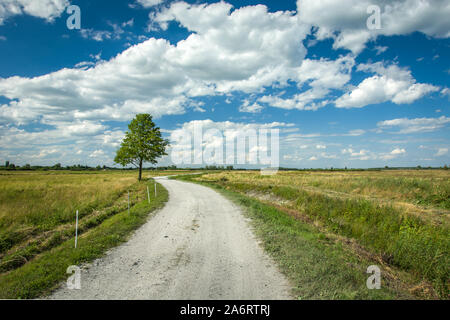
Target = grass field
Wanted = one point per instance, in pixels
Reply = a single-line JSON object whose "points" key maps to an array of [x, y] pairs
{"points": [[398, 218], [37, 222], [323, 228]]}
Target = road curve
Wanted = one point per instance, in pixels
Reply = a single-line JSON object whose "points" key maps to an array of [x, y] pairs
{"points": [[199, 246]]}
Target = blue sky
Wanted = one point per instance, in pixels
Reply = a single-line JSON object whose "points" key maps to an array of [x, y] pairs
{"points": [[341, 94]]}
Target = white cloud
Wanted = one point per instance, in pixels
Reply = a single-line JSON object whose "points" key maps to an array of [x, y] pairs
{"points": [[380, 49], [128, 23], [441, 152], [3, 38], [66, 142], [398, 151], [233, 127], [116, 33], [325, 155], [415, 125], [302, 101], [322, 76], [390, 83], [355, 133], [321, 146], [445, 92], [215, 134], [157, 107], [97, 154], [97, 35], [244, 50], [360, 155], [46, 152], [292, 158], [250, 108], [149, 3], [112, 138], [45, 9], [347, 23], [393, 154]]}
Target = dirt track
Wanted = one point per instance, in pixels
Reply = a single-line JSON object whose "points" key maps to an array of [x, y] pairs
{"points": [[199, 246]]}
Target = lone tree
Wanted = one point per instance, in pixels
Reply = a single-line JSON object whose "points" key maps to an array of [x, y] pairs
{"points": [[142, 143]]}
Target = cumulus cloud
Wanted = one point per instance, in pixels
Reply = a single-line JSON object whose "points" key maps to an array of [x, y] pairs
{"points": [[243, 50], [227, 50], [415, 125], [301, 101], [149, 3], [229, 127], [357, 155], [97, 35], [45, 9], [445, 92], [390, 83], [67, 142], [321, 76], [346, 23], [116, 32], [97, 154], [393, 154], [364, 154], [441, 152], [213, 139], [250, 108], [380, 49]]}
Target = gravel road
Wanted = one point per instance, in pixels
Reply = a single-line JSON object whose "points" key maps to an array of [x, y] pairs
{"points": [[199, 246]]}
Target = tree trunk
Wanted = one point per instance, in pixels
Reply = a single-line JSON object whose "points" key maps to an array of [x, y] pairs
{"points": [[140, 170]]}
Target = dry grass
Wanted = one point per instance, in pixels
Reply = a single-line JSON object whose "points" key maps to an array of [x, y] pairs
{"points": [[98, 232], [37, 209], [45, 200], [401, 216], [424, 193]]}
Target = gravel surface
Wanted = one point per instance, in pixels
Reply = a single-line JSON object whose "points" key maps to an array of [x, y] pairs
{"points": [[199, 246]]}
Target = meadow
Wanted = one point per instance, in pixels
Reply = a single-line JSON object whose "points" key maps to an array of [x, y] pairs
{"points": [[37, 221], [322, 227], [399, 218]]}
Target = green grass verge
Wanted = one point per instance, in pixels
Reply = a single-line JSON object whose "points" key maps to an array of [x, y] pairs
{"points": [[317, 266], [404, 241], [39, 276]]}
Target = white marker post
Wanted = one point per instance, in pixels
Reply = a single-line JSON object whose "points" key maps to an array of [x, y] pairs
{"points": [[155, 190], [128, 202], [148, 195], [76, 231]]}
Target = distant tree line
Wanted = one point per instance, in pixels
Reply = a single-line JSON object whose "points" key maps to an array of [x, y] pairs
{"points": [[79, 167], [58, 166]]}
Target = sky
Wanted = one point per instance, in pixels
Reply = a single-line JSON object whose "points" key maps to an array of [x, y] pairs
{"points": [[342, 90]]}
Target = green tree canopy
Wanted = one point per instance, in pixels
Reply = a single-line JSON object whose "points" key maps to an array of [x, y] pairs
{"points": [[142, 143]]}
